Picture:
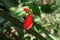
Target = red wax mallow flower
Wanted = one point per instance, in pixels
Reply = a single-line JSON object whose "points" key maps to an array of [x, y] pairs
{"points": [[28, 22], [26, 10]]}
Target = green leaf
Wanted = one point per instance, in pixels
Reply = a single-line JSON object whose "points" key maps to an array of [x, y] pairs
{"points": [[46, 9], [35, 28], [35, 8]]}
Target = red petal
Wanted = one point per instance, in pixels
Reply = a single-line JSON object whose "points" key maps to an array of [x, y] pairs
{"points": [[28, 22], [26, 10]]}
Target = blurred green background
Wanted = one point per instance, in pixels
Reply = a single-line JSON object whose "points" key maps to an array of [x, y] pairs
{"points": [[46, 19]]}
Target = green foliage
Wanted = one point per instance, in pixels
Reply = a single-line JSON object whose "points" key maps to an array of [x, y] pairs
{"points": [[49, 8], [46, 7], [35, 8], [44, 28]]}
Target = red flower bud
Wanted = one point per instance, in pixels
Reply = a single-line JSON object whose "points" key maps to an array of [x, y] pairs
{"points": [[28, 22], [26, 10]]}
